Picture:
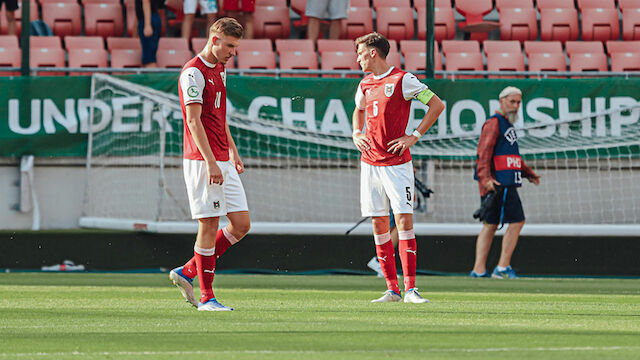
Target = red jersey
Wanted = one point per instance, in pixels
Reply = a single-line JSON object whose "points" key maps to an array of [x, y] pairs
{"points": [[205, 83], [387, 99]]}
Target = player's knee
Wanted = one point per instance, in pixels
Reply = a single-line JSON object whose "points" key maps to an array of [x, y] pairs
{"points": [[244, 228]]}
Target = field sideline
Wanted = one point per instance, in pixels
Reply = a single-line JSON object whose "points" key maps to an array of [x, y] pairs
{"points": [[142, 316]]}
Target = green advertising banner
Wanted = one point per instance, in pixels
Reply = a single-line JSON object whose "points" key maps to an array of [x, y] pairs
{"points": [[48, 116]]}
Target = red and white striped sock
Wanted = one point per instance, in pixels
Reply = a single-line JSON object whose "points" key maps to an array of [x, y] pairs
{"points": [[206, 263], [190, 269], [224, 240], [408, 249], [387, 258]]}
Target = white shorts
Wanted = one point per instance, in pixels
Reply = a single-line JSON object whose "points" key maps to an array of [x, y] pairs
{"points": [[213, 200], [327, 9], [206, 6], [381, 185]]}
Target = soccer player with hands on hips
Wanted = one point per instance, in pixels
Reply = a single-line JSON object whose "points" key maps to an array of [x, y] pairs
{"points": [[211, 163], [386, 179]]}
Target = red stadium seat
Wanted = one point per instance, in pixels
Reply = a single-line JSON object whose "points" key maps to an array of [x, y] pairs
{"points": [[622, 46], [63, 18], [505, 62], [600, 24], [84, 2], [584, 47], [518, 24], [595, 4], [278, 3], [123, 43], [392, 22], [44, 57], [45, 42], [419, 4], [541, 61], [354, 3], [10, 57], [512, 4], [460, 46], [629, 61], [588, 62], [255, 45], [42, 2], [417, 60], [336, 45], [288, 45], [339, 60], [87, 58], [359, 22], [474, 11], [630, 19], [171, 43], [256, 60], [393, 46], [126, 58], [499, 47], [407, 46], [555, 4], [444, 23], [197, 44], [83, 42], [464, 61], [132, 21], [559, 24], [9, 42], [34, 15], [169, 58], [548, 47], [104, 19], [298, 60], [394, 59], [391, 3], [271, 22]]}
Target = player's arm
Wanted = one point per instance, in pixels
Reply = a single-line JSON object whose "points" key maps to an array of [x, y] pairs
{"points": [[486, 144], [234, 156], [359, 139], [146, 11], [214, 174], [531, 175]]}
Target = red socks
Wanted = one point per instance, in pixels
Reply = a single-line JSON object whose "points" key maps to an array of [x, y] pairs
{"points": [[407, 248], [206, 264], [387, 258], [224, 240]]}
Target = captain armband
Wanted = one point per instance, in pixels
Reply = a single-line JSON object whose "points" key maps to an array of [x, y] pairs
{"points": [[424, 96]]}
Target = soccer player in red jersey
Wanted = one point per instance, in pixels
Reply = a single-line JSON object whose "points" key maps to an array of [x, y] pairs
{"points": [[386, 176], [211, 163]]}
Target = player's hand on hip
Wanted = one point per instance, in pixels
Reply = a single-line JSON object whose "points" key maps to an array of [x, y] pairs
{"points": [[491, 184], [361, 142], [399, 145], [214, 174]]}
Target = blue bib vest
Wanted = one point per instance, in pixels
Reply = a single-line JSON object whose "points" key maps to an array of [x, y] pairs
{"points": [[506, 155]]}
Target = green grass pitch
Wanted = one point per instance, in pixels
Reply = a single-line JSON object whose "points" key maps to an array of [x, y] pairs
{"points": [[143, 316]]}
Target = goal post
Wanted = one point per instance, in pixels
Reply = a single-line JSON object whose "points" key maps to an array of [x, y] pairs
{"points": [[303, 181]]}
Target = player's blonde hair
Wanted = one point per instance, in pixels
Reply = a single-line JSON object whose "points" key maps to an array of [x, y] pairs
{"points": [[375, 40], [226, 26]]}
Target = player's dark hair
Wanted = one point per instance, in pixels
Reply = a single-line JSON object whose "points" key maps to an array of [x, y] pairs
{"points": [[228, 27], [375, 40]]}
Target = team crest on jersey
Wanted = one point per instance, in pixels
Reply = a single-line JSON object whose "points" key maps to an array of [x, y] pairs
{"points": [[388, 89], [223, 76], [511, 135], [216, 204]]}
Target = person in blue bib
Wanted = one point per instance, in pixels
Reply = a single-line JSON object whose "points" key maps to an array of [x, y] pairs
{"points": [[499, 172]]}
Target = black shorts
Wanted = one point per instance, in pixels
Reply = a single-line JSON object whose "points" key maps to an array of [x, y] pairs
{"points": [[10, 5], [513, 211]]}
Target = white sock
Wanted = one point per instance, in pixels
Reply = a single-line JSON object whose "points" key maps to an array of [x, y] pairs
{"points": [[500, 268]]}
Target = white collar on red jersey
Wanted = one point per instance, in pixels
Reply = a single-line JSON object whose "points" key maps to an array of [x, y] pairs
{"points": [[206, 62], [378, 77]]}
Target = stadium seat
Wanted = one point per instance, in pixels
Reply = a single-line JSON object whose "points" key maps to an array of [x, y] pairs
{"points": [[197, 44], [600, 24], [622, 46], [87, 58], [123, 43], [460, 46], [415, 57], [359, 22], [419, 4], [9, 42], [336, 45], [85, 2], [595, 4], [588, 62], [10, 57], [103, 19], [353, 3], [172, 43], [584, 47], [559, 24], [278, 3], [518, 24], [462, 55], [393, 24], [338, 60], [506, 61], [541, 61], [271, 22], [394, 59], [45, 42], [132, 21], [47, 57], [63, 18], [391, 3], [255, 45], [34, 15], [555, 4], [256, 59], [170, 58], [630, 19], [545, 47], [629, 61], [287, 45], [499, 47], [444, 23], [511, 4], [126, 58], [298, 60], [474, 11], [83, 42]]}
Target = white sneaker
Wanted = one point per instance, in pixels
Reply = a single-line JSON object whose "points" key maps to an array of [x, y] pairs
{"points": [[389, 296], [184, 284], [374, 265], [413, 296], [213, 305]]}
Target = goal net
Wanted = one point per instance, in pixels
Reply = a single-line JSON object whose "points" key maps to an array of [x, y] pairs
{"points": [[300, 180]]}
